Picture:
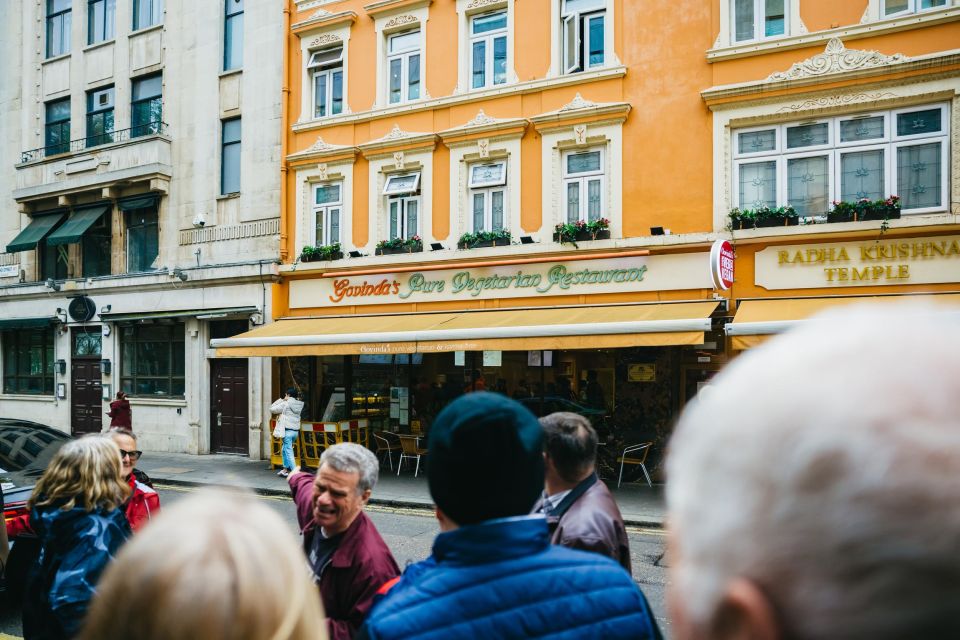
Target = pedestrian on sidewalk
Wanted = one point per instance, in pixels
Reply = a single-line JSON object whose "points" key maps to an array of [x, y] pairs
{"points": [[349, 559], [493, 572], [214, 566], [144, 502], [120, 414], [580, 511], [288, 408], [75, 512], [812, 493]]}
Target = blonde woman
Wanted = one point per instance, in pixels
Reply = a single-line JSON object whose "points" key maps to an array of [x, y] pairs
{"points": [[213, 566], [75, 512]]}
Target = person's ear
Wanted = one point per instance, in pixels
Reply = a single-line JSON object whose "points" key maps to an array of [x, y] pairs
{"points": [[745, 613], [365, 496], [446, 524]]}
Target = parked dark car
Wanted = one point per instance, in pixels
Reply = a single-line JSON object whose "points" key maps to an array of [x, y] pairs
{"points": [[25, 451]]}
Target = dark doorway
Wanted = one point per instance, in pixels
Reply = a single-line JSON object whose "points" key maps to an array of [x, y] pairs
{"points": [[86, 401], [229, 417]]}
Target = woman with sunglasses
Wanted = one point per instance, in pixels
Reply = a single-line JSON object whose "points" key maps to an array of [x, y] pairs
{"points": [[144, 501]]}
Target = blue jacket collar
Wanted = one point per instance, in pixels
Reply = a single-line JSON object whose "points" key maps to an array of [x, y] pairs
{"points": [[493, 540]]}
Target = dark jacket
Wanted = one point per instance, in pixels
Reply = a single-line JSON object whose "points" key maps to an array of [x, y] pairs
{"points": [[361, 564], [503, 579], [76, 546], [588, 518], [120, 414]]}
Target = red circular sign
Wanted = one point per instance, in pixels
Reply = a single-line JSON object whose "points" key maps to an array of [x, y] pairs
{"points": [[721, 264]]}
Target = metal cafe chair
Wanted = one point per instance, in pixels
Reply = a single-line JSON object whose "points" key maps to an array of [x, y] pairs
{"points": [[638, 455], [410, 449], [385, 446]]}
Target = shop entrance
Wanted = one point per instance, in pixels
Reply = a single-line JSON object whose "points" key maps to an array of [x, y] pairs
{"points": [[229, 406], [86, 402]]}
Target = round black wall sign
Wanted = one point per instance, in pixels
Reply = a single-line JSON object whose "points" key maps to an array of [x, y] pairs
{"points": [[81, 309]]}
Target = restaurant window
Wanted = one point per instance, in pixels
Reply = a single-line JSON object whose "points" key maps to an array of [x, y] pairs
{"points": [[99, 116], [327, 212], [101, 19], [893, 8], [147, 13], [233, 35], [59, 24], [403, 66], [326, 69], [143, 239], [403, 205], [56, 130], [95, 248], [230, 157], [758, 19], [583, 34], [488, 49], [28, 361], [583, 185], [488, 195], [146, 107], [847, 158], [152, 359]]}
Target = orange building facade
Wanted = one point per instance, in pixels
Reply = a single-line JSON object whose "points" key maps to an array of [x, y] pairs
{"points": [[522, 195]]}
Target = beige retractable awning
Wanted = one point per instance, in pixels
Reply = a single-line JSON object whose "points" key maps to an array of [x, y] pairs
{"points": [[757, 320], [585, 327]]}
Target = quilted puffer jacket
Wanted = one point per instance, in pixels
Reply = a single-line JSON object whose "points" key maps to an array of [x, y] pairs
{"points": [[76, 547], [503, 579]]}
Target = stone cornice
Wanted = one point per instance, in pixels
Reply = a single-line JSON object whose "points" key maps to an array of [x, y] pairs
{"points": [[323, 150], [321, 21], [826, 68], [852, 32], [387, 7], [483, 124], [395, 140], [578, 110]]}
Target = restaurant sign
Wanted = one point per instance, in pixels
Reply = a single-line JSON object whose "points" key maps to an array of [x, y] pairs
{"points": [[531, 280], [868, 263]]}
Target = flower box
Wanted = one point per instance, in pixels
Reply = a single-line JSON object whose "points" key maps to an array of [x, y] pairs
{"points": [[390, 251], [777, 222], [583, 236], [482, 243], [319, 257], [880, 213]]}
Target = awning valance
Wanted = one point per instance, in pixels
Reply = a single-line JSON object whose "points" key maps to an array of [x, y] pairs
{"points": [[757, 320], [34, 232], [585, 327], [7, 324], [205, 314], [138, 202], [76, 225]]}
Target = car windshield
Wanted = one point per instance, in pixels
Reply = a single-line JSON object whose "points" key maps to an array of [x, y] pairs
{"points": [[25, 446]]}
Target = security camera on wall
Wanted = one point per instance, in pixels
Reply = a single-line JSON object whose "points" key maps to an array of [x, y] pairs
{"points": [[200, 220]]}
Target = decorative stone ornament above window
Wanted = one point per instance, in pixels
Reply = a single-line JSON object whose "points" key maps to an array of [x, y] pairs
{"points": [[836, 59]]}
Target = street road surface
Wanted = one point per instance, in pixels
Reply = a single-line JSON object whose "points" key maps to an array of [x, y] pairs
{"points": [[410, 532]]}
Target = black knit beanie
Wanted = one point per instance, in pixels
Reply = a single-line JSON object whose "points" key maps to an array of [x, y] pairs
{"points": [[486, 458]]}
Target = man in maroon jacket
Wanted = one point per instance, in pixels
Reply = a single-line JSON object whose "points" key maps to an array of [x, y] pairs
{"points": [[349, 559]]}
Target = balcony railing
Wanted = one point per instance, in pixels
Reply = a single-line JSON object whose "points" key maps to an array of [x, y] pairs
{"points": [[81, 144]]}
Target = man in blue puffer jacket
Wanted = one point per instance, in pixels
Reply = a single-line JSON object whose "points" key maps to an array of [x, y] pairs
{"points": [[493, 572]]}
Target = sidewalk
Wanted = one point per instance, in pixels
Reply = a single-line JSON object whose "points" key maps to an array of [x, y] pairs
{"points": [[640, 505]]}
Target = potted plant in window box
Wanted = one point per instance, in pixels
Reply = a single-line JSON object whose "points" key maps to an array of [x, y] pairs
{"points": [[580, 231], [745, 219], [322, 253], [888, 209], [497, 238], [399, 245], [842, 211], [309, 254], [776, 217]]}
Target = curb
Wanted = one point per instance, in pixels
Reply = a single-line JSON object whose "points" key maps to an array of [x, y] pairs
{"points": [[380, 502]]}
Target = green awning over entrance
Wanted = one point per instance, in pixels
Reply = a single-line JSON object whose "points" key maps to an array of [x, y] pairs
{"points": [[26, 323], [138, 202], [38, 228], [73, 229]]}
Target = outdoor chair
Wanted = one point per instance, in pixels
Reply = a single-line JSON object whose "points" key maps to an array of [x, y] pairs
{"points": [[385, 446], [410, 449], [635, 454]]}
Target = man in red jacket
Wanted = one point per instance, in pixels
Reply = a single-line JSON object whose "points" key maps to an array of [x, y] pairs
{"points": [[349, 559], [144, 502]]}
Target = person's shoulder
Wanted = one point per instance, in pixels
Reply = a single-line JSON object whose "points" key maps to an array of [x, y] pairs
{"points": [[595, 564]]}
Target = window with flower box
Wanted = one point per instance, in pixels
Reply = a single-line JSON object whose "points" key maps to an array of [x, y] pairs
{"points": [[808, 165], [583, 185], [327, 211], [488, 195], [403, 205]]}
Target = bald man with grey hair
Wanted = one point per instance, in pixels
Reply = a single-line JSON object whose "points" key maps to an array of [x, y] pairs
{"points": [[813, 492]]}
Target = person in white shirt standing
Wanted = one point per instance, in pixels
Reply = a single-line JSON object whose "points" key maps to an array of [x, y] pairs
{"points": [[288, 408]]}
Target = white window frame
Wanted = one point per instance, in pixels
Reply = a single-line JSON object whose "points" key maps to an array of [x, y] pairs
{"points": [[889, 143], [325, 209], [913, 6], [786, 149], [572, 25], [783, 178], [404, 56], [403, 202], [583, 179], [388, 191], [476, 184], [328, 69], [759, 22], [487, 189], [488, 39]]}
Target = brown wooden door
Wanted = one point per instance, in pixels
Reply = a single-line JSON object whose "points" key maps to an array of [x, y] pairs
{"points": [[229, 417], [86, 404]]}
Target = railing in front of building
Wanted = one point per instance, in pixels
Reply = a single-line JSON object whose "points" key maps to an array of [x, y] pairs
{"points": [[81, 144]]}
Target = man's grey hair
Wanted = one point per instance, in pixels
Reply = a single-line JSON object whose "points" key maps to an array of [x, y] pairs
{"points": [[353, 458], [824, 467]]}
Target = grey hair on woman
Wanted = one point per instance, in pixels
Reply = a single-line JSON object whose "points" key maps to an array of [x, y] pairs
{"points": [[353, 458]]}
